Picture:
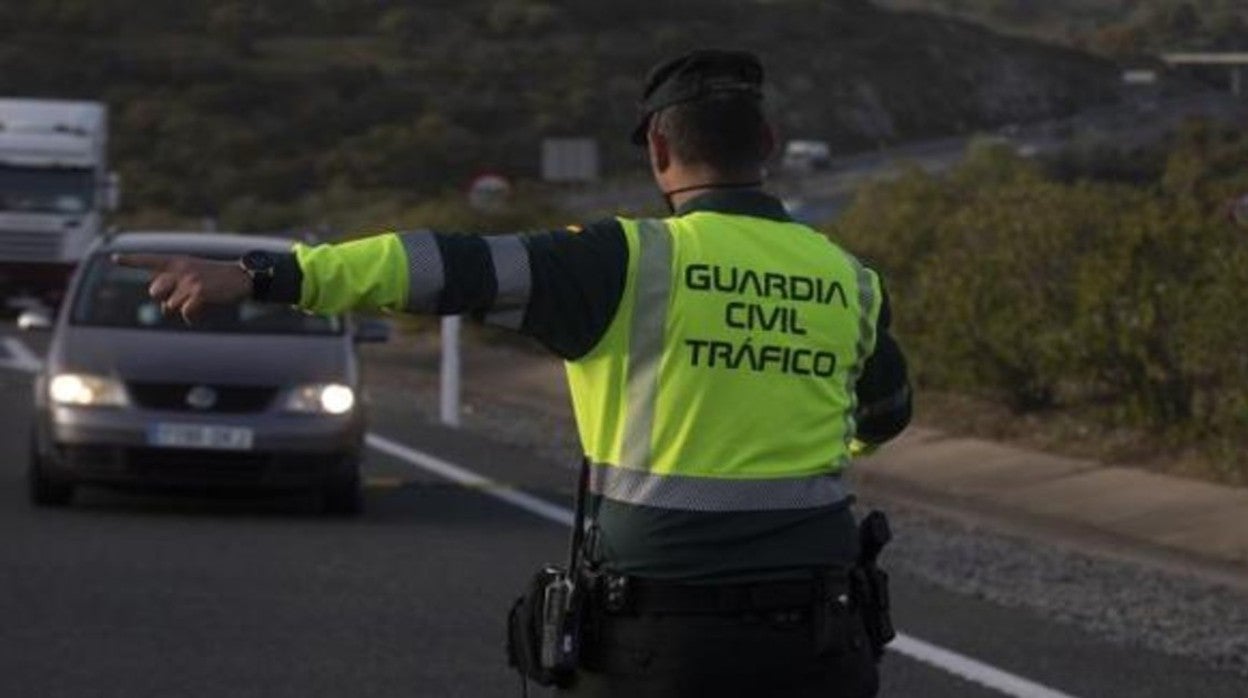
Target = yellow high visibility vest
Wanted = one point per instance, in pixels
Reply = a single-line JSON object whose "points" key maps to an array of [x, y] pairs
{"points": [[726, 380]]}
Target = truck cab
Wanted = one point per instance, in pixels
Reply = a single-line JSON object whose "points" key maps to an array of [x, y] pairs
{"points": [[55, 190]]}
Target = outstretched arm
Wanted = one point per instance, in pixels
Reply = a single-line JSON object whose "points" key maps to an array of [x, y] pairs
{"points": [[383, 272], [187, 285], [560, 287]]}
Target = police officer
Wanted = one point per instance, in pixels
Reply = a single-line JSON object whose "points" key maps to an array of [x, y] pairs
{"points": [[723, 362]]}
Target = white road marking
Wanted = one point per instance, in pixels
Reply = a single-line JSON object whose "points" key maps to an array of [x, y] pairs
{"points": [[952, 662], [20, 357], [23, 359], [462, 476], [971, 669]]}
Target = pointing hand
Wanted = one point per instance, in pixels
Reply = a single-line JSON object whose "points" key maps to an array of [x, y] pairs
{"points": [[184, 285]]}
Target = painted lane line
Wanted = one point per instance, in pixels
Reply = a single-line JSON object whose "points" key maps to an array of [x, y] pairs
{"points": [[971, 669], [465, 477], [20, 357], [949, 661]]}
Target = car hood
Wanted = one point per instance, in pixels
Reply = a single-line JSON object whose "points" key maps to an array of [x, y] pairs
{"points": [[202, 357]]}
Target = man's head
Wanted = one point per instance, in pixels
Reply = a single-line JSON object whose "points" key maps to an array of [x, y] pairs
{"points": [[702, 118]]}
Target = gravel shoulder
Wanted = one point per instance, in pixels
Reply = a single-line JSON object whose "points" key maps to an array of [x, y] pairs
{"points": [[519, 397]]}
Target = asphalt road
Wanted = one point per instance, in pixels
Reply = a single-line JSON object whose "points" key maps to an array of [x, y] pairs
{"points": [[144, 594]]}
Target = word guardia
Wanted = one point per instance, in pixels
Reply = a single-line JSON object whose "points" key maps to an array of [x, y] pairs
{"points": [[712, 277]]}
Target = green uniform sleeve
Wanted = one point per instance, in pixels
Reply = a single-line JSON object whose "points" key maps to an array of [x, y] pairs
{"points": [[366, 274]]}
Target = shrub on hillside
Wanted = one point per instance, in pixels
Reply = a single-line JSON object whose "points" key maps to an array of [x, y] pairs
{"points": [[1008, 283]]}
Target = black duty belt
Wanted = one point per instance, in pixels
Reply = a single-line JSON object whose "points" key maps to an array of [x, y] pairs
{"points": [[622, 594]]}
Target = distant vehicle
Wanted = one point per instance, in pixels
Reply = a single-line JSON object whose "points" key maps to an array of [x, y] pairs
{"points": [[258, 396], [814, 212], [1021, 148], [1010, 130], [806, 156], [55, 188]]}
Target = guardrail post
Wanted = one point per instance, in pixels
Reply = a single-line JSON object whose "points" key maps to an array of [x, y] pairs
{"points": [[449, 403]]}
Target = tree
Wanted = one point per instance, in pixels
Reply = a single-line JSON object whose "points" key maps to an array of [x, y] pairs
{"points": [[238, 24]]}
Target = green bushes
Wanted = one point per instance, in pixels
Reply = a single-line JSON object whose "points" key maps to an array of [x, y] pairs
{"points": [[1125, 299], [247, 111]]}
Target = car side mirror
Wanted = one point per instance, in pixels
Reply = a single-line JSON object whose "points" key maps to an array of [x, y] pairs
{"points": [[34, 320], [371, 332]]}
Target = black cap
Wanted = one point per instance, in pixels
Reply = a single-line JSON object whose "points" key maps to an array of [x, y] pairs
{"points": [[695, 76]]}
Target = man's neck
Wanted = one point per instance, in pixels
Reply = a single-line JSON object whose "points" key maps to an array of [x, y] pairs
{"points": [[692, 187]]}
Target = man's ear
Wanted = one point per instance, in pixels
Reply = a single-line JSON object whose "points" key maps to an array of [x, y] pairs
{"points": [[660, 149]]}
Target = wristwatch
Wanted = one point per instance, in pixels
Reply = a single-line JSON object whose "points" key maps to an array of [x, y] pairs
{"points": [[261, 267]]}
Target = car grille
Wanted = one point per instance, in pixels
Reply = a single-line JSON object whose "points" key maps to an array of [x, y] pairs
{"points": [[207, 466], [198, 465], [30, 245], [229, 398]]}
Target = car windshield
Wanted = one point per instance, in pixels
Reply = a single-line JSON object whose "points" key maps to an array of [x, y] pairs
{"points": [[46, 190], [113, 296]]}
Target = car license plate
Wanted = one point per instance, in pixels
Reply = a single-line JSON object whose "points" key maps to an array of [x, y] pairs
{"points": [[200, 436]]}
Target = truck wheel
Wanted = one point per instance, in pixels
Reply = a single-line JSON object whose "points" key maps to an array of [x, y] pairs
{"points": [[45, 490], [344, 496]]}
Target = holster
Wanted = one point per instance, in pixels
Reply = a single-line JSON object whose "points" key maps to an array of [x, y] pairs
{"points": [[871, 595], [870, 583], [545, 626]]}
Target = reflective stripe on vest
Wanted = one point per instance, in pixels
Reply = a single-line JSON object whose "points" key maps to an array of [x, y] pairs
{"points": [[425, 276], [866, 344], [645, 353], [670, 491], [513, 281]]}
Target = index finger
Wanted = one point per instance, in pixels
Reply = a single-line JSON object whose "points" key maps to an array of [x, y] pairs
{"points": [[153, 262]]}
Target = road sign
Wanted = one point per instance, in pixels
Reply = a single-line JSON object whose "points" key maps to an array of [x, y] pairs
{"points": [[489, 192], [570, 160]]}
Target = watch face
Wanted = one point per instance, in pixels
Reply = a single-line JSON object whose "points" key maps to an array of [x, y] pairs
{"points": [[258, 261]]}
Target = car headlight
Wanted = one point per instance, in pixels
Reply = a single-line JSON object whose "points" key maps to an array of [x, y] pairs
{"points": [[323, 398], [86, 390]]}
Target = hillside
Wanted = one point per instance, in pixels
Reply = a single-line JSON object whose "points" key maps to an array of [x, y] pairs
{"points": [[276, 114], [1111, 27]]}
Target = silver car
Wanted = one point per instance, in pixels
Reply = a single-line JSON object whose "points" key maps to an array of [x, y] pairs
{"points": [[257, 396]]}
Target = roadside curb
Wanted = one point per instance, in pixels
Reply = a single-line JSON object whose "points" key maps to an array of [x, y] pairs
{"points": [[1184, 522], [1159, 520]]}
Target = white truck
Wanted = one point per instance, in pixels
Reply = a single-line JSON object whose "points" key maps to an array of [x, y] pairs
{"points": [[55, 189]]}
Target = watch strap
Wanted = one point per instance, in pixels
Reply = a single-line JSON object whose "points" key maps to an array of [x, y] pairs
{"points": [[286, 285]]}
